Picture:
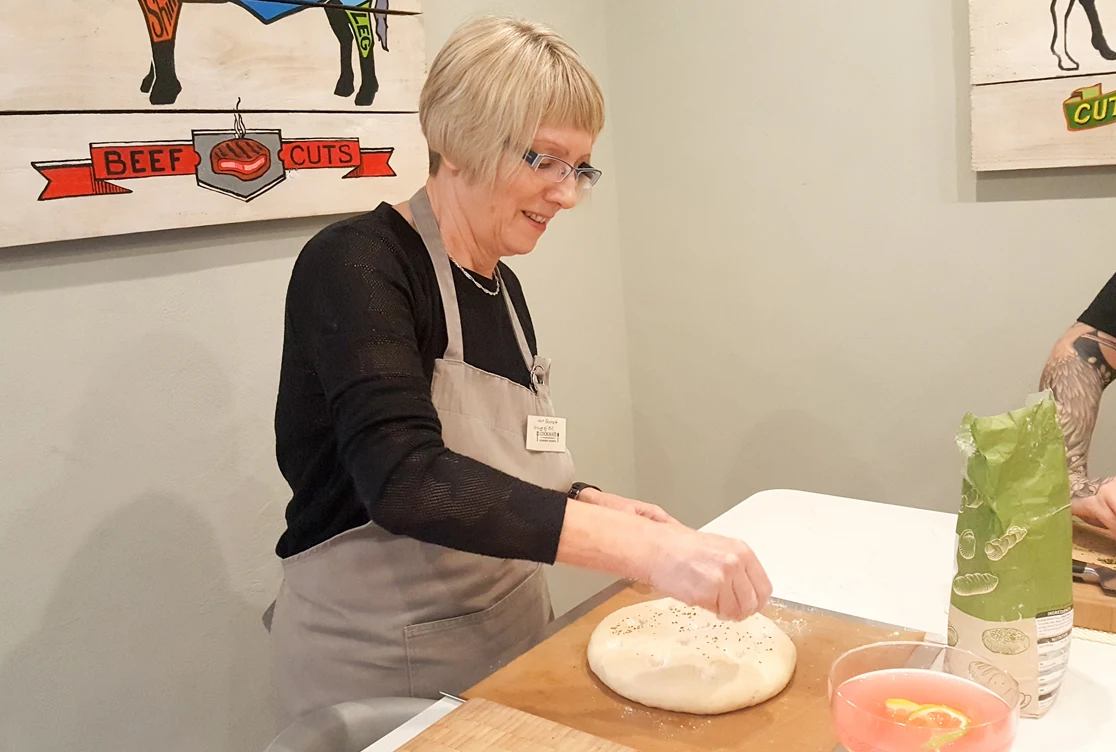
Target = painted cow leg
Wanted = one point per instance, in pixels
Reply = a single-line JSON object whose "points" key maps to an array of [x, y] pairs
{"points": [[1099, 42], [368, 83], [166, 87], [362, 25], [162, 27], [1059, 45], [339, 22]]}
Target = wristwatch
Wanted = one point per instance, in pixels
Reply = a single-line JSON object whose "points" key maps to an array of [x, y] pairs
{"points": [[577, 488]]}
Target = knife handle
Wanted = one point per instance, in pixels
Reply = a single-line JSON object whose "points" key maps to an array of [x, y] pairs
{"points": [[1078, 567]]}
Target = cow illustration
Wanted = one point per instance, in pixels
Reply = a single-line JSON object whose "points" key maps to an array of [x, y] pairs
{"points": [[161, 83], [1060, 12]]}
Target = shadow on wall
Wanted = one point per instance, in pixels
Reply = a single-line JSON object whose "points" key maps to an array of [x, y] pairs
{"points": [[156, 254], [1012, 185], [1047, 185], [143, 645], [144, 641]]}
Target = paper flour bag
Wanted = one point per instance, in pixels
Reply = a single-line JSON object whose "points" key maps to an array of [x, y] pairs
{"points": [[1012, 596]]}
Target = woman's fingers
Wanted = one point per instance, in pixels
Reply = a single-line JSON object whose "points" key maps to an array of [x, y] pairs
{"points": [[760, 580], [719, 574], [728, 598]]}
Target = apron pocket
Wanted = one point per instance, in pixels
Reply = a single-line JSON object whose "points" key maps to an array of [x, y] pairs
{"points": [[451, 655]]}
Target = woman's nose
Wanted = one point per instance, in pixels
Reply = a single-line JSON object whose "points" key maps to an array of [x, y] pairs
{"points": [[565, 193]]}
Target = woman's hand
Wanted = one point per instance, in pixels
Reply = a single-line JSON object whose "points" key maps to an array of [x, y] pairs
{"points": [[719, 574], [713, 572], [631, 506], [1098, 509]]}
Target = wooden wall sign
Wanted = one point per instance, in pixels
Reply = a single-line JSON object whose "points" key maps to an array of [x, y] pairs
{"points": [[122, 116], [1043, 83]]}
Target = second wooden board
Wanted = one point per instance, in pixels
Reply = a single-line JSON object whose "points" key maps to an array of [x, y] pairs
{"points": [[490, 726]]}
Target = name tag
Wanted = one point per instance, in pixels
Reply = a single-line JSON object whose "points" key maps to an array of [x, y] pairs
{"points": [[546, 434]]}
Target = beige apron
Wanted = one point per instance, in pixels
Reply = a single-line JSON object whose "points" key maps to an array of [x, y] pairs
{"points": [[368, 613]]}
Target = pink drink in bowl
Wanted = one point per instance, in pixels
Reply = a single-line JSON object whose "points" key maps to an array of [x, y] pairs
{"points": [[919, 697]]}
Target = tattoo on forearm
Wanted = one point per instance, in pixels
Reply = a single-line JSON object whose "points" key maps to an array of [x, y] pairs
{"points": [[1077, 379], [1082, 486], [1088, 349]]}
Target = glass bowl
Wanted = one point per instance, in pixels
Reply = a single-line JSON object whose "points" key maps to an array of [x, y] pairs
{"points": [[920, 697]]}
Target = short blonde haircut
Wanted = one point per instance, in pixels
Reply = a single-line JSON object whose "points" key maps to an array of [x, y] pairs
{"points": [[493, 83]]}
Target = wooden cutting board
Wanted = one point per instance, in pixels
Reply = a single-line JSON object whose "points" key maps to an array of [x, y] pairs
{"points": [[554, 681], [1092, 609], [1093, 546], [483, 725]]}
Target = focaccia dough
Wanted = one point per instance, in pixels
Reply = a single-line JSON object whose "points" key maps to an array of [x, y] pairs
{"points": [[667, 655]]}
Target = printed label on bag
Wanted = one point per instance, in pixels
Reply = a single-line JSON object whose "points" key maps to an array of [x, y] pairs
{"points": [[546, 434]]}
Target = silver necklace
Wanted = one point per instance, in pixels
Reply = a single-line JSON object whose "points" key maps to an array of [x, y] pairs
{"points": [[483, 289]]}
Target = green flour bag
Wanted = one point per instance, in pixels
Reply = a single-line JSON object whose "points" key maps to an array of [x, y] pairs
{"points": [[1012, 596]]}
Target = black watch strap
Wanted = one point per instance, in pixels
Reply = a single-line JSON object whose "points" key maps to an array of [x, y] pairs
{"points": [[577, 488]]}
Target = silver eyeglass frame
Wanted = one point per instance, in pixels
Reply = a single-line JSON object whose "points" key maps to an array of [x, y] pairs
{"points": [[591, 173]]}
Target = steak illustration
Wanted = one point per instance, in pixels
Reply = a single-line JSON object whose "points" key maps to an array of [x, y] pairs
{"points": [[243, 158]]}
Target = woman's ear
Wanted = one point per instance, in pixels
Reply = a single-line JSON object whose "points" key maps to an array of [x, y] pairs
{"points": [[449, 165]]}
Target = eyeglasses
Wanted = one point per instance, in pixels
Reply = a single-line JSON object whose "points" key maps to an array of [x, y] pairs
{"points": [[555, 169]]}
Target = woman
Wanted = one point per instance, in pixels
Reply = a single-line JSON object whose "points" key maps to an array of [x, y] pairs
{"points": [[420, 515]]}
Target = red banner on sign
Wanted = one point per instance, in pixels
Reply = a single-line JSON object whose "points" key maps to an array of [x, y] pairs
{"points": [[310, 154], [373, 164], [68, 179], [131, 161]]}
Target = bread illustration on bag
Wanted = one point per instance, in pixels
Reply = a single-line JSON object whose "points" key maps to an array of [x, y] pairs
{"points": [[975, 583], [1005, 641], [966, 545], [996, 548]]}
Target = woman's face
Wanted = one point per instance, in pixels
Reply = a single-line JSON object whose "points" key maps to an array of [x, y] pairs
{"points": [[511, 218]]}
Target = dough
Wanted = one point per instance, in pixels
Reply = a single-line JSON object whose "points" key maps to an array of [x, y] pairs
{"points": [[667, 655]]}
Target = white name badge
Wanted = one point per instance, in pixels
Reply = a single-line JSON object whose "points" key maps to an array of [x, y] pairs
{"points": [[546, 434]]}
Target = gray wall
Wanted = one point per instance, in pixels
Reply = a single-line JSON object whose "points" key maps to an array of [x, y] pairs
{"points": [[774, 290], [817, 287], [139, 497]]}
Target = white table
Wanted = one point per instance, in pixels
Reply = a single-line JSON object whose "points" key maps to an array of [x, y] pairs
{"points": [[861, 558]]}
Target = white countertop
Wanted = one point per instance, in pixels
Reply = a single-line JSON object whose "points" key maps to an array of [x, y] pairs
{"points": [[891, 564], [895, 564]]}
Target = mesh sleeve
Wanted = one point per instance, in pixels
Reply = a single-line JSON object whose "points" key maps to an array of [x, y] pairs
{"points": [[352, 306]]}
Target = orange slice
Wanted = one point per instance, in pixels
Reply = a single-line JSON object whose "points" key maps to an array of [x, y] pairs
{"points": [[943, 739], [900, 709], [950, 720], [939, 716]]}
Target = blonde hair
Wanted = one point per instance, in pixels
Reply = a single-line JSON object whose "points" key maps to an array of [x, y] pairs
{"points": [[493, 83]]}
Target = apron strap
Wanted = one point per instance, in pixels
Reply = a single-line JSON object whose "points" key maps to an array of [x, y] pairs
{"points": [[427, 225], [520, 337]]}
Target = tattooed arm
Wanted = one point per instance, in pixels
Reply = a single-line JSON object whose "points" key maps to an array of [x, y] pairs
{"points": [[1081, 366]]}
